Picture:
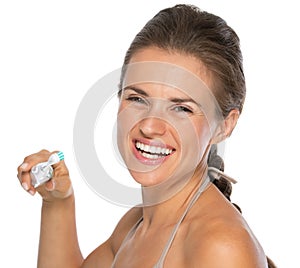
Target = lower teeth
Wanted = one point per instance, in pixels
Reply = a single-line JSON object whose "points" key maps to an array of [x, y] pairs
{"points": [[151, 156]]}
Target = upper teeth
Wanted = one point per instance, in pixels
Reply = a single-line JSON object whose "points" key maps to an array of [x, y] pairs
{"points": [[152, 149]]}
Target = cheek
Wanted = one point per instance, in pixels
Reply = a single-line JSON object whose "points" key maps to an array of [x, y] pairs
{"points": [[192, 140], [123, 126], [197, 143], [126, 120], [203, 133]]}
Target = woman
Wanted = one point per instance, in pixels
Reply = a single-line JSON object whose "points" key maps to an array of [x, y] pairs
{"points": [[168, 125]]}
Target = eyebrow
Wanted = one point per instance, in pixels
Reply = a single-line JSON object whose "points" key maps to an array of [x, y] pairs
{"points": [[137, 90], [175, 100]]}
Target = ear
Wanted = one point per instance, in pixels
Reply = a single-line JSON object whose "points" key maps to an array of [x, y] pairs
{"points": [[226, 127]]}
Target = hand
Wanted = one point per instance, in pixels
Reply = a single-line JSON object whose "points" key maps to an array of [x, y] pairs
{"points": [[59, 187]]}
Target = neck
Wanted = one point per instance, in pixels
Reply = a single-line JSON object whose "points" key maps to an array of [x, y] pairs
{"points": [[169, 211]]}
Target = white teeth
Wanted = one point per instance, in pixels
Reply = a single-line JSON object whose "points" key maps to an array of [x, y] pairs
{"points": [[157, 150], [141, 146], [146, 148], [152, 152], [150, 156]]}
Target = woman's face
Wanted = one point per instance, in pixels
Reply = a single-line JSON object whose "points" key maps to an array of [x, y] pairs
{"points": [[162, 131]]}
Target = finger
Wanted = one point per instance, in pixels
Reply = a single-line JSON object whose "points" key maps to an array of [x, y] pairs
{"points": [[50, 185], [32, 160], [25, 179], [60, 165], [28, 187], [24, 169], [60, 187]]}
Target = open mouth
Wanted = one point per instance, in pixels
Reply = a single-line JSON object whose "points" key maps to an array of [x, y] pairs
{"points": [[152, 152]]}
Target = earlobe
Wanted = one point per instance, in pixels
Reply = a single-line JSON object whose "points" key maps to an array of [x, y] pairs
{"points": [[226, 127]]}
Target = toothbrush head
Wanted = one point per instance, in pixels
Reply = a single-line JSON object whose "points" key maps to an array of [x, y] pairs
{"points": [[55, 158], [61, 156]]}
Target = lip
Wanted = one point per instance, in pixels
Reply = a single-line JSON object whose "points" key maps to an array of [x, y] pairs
{"points": [[148, 161]]}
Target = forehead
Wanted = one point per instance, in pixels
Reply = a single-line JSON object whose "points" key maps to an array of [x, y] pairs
{"points": [[188, 62]]}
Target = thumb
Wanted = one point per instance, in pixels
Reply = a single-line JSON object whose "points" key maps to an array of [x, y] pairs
{"points": [[60, 187], [50, 185]]}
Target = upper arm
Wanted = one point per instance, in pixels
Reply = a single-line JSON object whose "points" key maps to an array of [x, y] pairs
{"points": [[103, 255], [232, 249]]}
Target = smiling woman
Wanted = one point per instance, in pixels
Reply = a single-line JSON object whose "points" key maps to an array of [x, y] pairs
{"points": [[182, 90], [156, 114]]}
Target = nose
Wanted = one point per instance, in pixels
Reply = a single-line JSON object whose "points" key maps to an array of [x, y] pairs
{"points": [[152, 127]]}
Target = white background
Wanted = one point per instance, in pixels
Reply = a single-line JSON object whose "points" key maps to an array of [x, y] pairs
{"points": [[52, 52]]}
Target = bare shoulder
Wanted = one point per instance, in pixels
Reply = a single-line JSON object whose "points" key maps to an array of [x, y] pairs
{"points": [[230, 246], [103, 255], [224, 239], [124, 226]]}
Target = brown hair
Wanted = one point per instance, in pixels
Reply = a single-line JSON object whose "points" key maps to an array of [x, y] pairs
{"points": [[188, 30]]}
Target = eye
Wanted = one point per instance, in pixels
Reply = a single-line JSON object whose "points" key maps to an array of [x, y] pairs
{"points": [[181, 108], [136, 99]]}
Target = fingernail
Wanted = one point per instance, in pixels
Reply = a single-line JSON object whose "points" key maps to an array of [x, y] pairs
{"points": [[24, 166], [31, 192], [25, 186]]}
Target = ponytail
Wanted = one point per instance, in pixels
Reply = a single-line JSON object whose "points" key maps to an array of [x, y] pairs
{"points": [[222, 183]]}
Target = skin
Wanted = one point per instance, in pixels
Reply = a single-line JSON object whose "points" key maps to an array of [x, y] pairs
{"points": [[213, 234], [152, 129]]}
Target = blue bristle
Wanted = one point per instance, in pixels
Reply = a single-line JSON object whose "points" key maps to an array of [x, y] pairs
{"points": [[61, 155]]}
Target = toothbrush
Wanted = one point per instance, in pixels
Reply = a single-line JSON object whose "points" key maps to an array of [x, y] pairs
{"points": [[55, 158], [43, 172]]}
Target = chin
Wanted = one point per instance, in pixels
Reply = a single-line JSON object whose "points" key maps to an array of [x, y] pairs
{"points": [[146, 179]]}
